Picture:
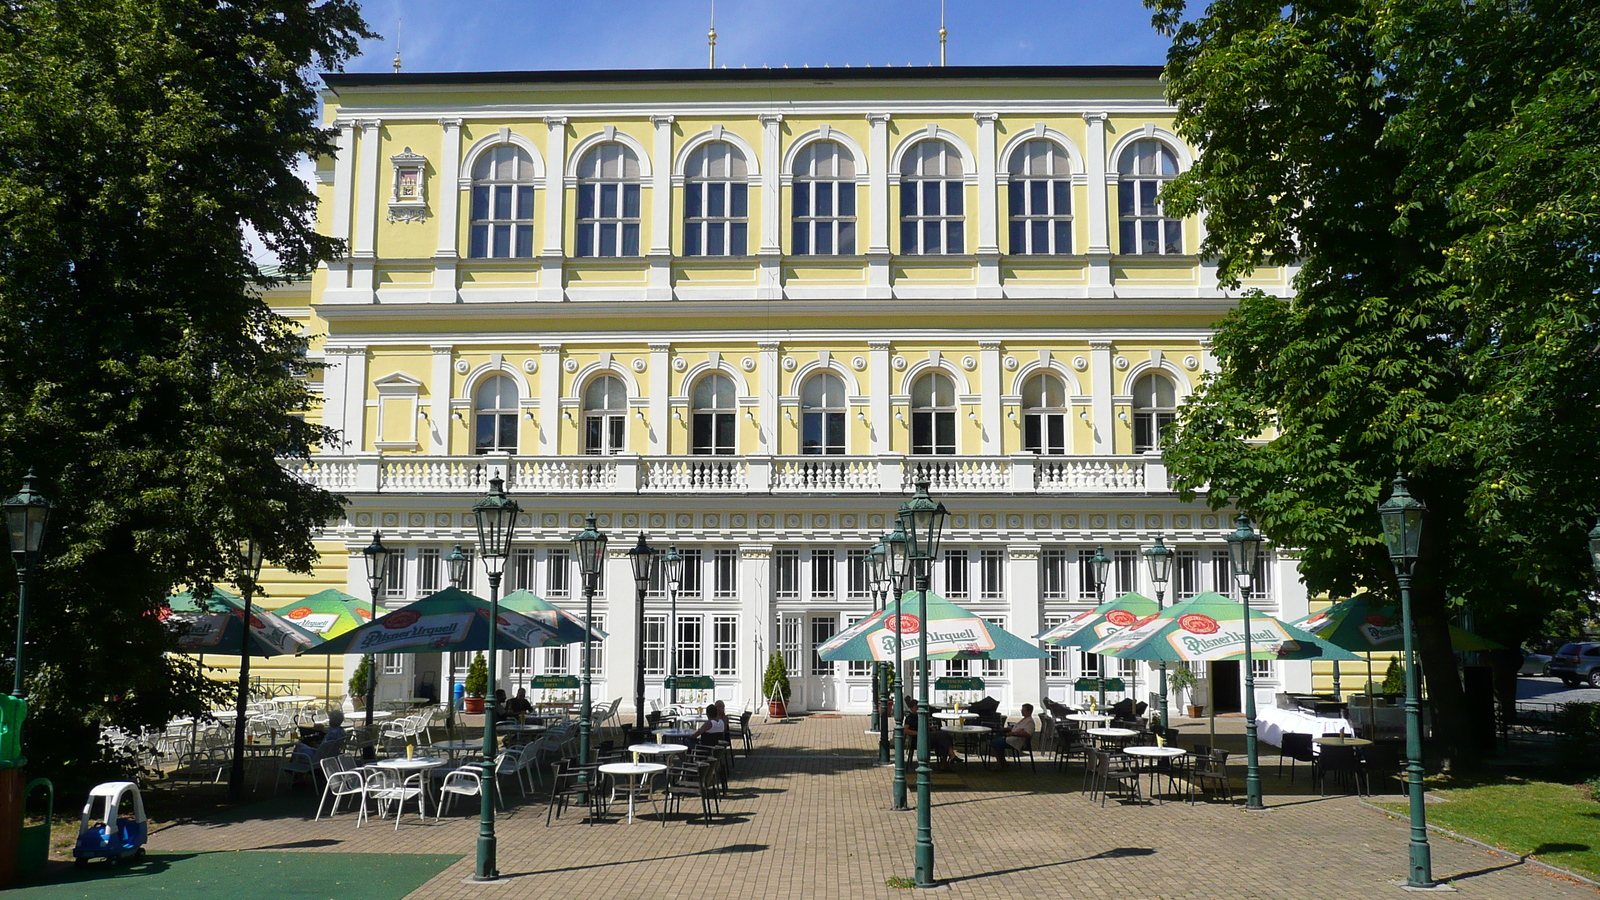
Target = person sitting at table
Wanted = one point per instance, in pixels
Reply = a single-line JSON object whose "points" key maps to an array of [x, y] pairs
{"points": [[324, 743], [519, 705], [714, 730], [1016, 737], [500, 703], [941, 744]]}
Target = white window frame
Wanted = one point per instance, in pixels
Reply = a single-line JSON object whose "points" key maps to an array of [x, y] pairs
{"points": [[830, 179], [500, 210], [716, 232], [1040, 201], [932, 225], [1145, 228], [624, 215], [725, 645]]}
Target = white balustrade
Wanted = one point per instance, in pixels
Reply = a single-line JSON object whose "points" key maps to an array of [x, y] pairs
{"points": [[959, 474], [701, 473], [328, 473], [819, 473], [1090, 474], [574, 474]]}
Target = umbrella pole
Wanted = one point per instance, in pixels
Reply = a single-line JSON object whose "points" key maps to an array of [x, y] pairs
{"points": [[1211, 703], [1372, 703]]}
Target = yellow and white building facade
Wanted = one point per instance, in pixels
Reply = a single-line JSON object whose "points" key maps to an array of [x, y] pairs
{"points": [[742, 312]]}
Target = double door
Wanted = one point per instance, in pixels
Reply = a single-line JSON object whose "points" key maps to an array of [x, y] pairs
{"points": [[817, 685]]}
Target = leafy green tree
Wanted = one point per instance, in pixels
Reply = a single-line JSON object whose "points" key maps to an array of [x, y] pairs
{"points": [[141, 372], [1430, 167]]}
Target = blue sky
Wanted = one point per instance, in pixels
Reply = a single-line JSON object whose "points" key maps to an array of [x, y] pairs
{"points": [[484, 35]]}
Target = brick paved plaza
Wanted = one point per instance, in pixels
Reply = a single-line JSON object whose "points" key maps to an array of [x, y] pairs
{"points": [[811, 819]]}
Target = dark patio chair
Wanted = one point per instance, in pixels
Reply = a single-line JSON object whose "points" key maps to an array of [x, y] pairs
{"points": [[1297, 748]]}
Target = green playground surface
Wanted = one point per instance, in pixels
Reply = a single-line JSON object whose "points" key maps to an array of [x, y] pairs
{"points": [[242, 875]]}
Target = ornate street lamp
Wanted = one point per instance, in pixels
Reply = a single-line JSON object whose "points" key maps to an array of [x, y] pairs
{"points": [[644, 559], [1594, 549], [896, 564], [458, 565], [1244, 556], [591, 549], [672, 572], [922, 519], [1159, 561], [878, 581], [27, 514], [496, 515], [249, 563], [377, 556], [1402, 516], [1099, 568]]}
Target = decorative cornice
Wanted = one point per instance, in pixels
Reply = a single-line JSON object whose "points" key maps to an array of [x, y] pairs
{"points": [[450, 122], [555, 121], [879, 118], [662, 121]]}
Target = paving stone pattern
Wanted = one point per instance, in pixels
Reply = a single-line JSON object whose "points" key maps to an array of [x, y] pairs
{"points": [[811, 818]]}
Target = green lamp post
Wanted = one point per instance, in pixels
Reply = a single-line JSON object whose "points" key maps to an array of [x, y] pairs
{"points": [[27, 514], [644, 560], [897, 566], [458, 565], [1594, 549], [591, 550], [1099, 569], [1402, 516], [878, 581], [922, 519], [1244, 557], [672, 573], [496, 515], [249, 563], [377, 557], [1159, 560]]}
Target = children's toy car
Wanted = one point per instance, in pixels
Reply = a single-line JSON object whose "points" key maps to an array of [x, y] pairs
{"points": [[107, 834]]}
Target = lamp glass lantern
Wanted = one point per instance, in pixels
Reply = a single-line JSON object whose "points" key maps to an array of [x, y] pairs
{"points": [[896, 557], [377, 557], [27, 514], [672, 567], [644, 559], [459, 564], [876, 566], [1402, 516], [1159, 559], [1244, 552], [1099, 568], [1594, 548], [922, 519], [496, 514], [591, 547]]}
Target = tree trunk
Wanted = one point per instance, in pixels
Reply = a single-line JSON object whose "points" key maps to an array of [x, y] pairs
{"points": [[1447, 701]]}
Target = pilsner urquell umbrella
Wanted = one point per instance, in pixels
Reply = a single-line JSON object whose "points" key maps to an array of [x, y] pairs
{"points": [[1089, 628], [450, 621], [952, 633], [327, 614], [567, 626], [1210, 627], [1365, 623], [215, 624]]}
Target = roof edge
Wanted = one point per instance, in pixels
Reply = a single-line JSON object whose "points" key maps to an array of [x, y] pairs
{"points": [[337, 80]]}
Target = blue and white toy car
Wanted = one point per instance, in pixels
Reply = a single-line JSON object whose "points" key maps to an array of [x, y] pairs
{"points": [[108, 834]]}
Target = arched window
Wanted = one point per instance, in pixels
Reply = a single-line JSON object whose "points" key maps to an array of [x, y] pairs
{"points": [[824, 200], [933, 415], [1155, 405], [608, 202], [931, 200], [716, 202], [1041, 199], [605, 415], [713, 415], [494, 409], [822, 415], [1146, 166], [1044, 414], [502, 204]]}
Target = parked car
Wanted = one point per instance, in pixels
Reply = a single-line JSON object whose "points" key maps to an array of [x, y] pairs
{"points": [[1577, 663], [1535, 664]]}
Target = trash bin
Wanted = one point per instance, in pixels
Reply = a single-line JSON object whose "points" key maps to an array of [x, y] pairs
{"points": [[13, 710], [33, 845]]}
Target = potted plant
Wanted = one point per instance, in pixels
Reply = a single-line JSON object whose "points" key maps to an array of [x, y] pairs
{"points": [[477, 685], [775, 687], [1182, 681], [358, 682]]}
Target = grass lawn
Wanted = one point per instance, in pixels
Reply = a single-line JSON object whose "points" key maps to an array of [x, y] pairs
{"points": [[1554, 823]]}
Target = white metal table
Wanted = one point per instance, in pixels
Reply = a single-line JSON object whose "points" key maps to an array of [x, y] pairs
{"points": [[634, 771], [1154, 754]]}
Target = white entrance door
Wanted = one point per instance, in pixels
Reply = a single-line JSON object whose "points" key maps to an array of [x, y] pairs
{"points": [[822, 678]]}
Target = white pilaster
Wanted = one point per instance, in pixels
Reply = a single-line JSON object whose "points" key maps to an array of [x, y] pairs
{"points": [[549, 398], [1022, 587], [622, 627], [1100, 379], [882, 423], [988, 209], [439, 400], [551, 254], [660, 374], [769, 396], [366, 219], [1098, 207], [661, 211], [344, 185], [878, 225], [448, 204], [989, 391], [355, 399], [757, 628], [771, 251], [334, 377]]}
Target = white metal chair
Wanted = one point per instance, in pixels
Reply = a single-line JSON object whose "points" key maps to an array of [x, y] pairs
{"points": [[384, 786], [466, 781], [343, 780]]}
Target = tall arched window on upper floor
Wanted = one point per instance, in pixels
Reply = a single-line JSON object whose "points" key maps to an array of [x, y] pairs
{"points": [[824, 200], [605, 416], [822, 415], [494, 415], [933, 415], [1155, 405], [1040, 195], [1145, 167], [608, 201], [932, 215], [502, 204], [714, 402], [716, 202], [1044, 414]]}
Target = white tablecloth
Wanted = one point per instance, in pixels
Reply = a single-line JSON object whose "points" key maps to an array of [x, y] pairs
{"points": [[1272, 722]]}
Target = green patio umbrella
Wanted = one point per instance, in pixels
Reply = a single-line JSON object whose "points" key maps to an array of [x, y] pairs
{"points": [[327, 614], [568, 627], [450, 621], [952, 633], [1365, 623], [1089, 628], [215, 624]]}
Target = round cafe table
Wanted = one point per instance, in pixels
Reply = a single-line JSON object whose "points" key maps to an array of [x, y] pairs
{"points": [[674, 735], [411, 766], [1154, 755], [1085, 718], [634, 771], [462, 745], [639, 750], [966, 733], [1339, 740], [1120, 735], [952, 716]]}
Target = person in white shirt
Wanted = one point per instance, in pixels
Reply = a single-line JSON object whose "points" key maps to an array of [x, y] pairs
{"points": [[1016, 737]]}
